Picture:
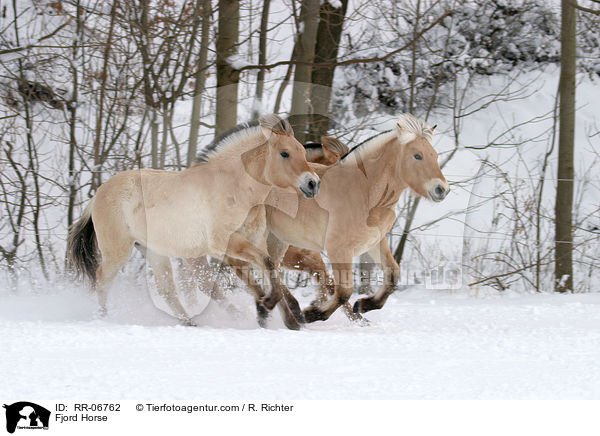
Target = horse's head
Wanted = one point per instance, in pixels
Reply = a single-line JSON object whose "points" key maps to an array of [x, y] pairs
{"points": [[419, 167], [286, 163]]}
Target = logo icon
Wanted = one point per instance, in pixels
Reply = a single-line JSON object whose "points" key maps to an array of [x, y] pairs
{"points": [[26, 415]]}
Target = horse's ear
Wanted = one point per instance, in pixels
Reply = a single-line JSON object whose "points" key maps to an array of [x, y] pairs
{"points": [[272, 123], [404, 135], [267, 133], [429, 132]]}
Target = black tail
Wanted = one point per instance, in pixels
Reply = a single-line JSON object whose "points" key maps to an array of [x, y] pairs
{"points": [[83, 247]]}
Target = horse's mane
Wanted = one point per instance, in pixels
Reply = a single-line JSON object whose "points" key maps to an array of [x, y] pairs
{"points": [[225, 139], [237, 134], [408, 127]]}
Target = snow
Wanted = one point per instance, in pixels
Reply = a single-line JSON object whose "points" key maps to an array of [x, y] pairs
{"points": [[423, 344]]}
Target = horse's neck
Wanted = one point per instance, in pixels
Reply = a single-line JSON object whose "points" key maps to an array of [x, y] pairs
{"points": [[381, 167]]}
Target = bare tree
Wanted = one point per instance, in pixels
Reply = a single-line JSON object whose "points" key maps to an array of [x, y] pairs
{"points": [[227, 75], [329, 33], [262, 58], [563, 275], [200, 78], [309, 23]]}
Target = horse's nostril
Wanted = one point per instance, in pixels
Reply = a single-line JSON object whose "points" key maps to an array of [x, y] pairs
{"points": [[311, 185], [439, 190]]}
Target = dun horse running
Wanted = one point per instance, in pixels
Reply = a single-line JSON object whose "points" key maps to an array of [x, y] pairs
{"points": [[327, 152], [356, 209], [202, 210]]}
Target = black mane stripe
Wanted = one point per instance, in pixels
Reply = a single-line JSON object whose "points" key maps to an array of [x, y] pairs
{"points": [[364, 142], [310, 145], [204, 154]]}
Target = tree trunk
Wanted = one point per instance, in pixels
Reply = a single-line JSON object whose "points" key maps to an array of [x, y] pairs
{"points": [[200, 81], [97, 175], [309, 19], [154, 138], [227, 76], [414, 203], [329, 33], [566, 144], [262, 59], [72, 109]]}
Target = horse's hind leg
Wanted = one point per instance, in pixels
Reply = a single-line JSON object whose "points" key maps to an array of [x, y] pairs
{"points": [[391, 275], [242, 249], [197, 273], [115, 246], [106, 273], [163, 274], [244, 273]]}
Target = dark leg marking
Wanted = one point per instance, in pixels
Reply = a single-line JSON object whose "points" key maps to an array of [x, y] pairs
{"points": [[294, 306], [365, 305], [262, 314]]}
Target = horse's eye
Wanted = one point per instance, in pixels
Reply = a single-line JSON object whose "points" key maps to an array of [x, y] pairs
{"points": [[284, 154], [418, 156]]}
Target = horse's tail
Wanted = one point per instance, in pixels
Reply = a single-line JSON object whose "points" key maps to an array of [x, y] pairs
{"points": [[83, 246]]}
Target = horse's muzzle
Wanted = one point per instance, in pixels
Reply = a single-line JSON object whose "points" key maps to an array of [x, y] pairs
{"points": [[310, 186], [439, 192]]}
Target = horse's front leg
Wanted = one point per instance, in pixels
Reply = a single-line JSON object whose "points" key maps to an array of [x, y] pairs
{"points": [[311, 262], [341, 264], [391, 275], [277, 250]]}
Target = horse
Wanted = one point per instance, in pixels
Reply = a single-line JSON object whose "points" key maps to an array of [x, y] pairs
{"points": [[327, 152], [356, 209], [212, 208], [196, 271]]}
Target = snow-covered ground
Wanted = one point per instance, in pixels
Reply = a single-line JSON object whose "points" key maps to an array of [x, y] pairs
{"points": [[424, 344]]}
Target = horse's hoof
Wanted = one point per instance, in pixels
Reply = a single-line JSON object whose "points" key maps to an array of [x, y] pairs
{"points": [[312, 314], [100, 313], [296, 310], [187, 322], [357, 318], [262, 315], [292, 324], [365, 305], [361, 322]]}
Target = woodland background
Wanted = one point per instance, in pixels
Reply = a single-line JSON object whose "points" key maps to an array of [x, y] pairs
{"points": [[89, 88]]}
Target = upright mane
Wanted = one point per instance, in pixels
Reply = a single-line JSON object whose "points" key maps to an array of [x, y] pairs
{"points": [[227, 140], [411, 127], [408, 127]]}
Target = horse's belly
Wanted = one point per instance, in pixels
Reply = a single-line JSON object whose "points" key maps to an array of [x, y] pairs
{"points": [[176, 236], [302, 231]]}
